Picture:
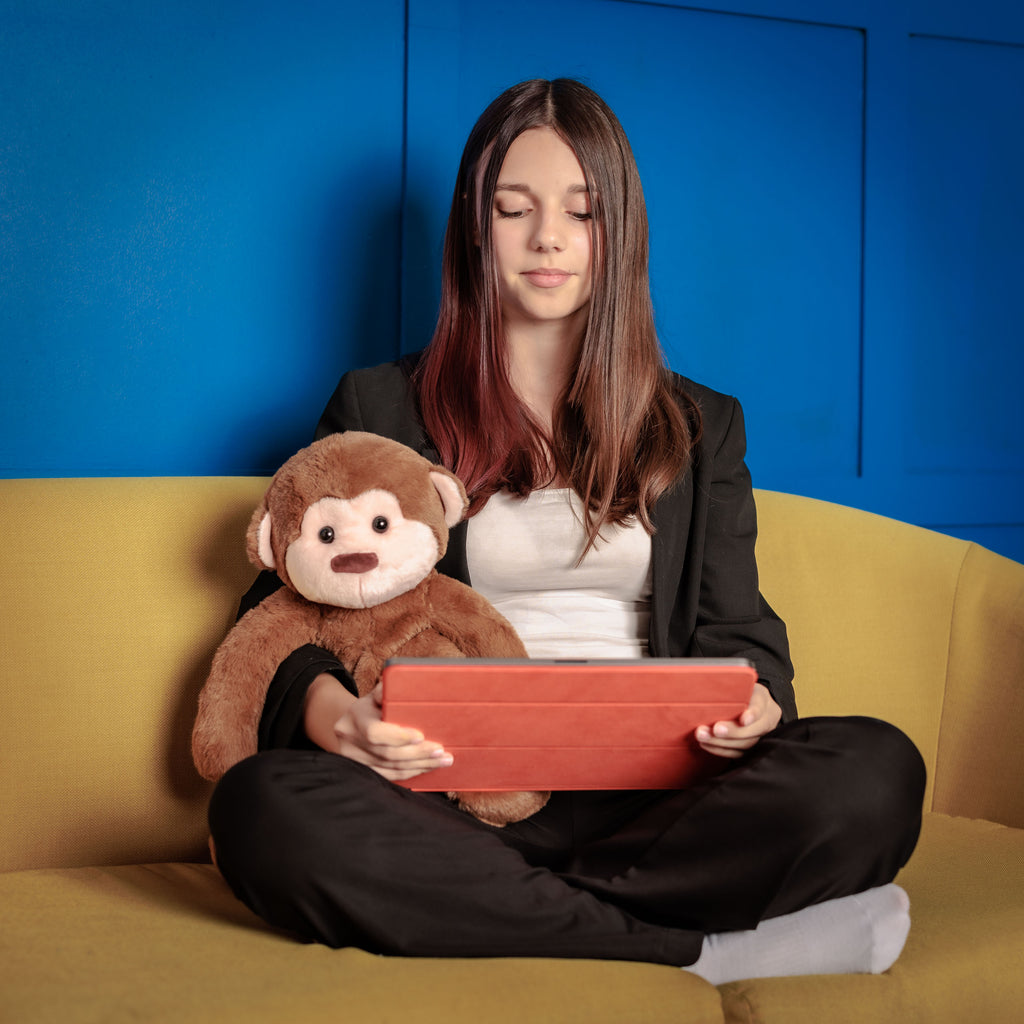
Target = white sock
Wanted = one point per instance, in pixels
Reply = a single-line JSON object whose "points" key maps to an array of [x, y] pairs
{"points": [[859, 934]]}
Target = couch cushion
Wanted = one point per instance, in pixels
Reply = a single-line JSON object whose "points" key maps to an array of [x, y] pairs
{"points": [[169, 943], [962, 961]]}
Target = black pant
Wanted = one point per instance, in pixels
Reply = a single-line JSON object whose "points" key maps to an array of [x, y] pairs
{"points": [[323, 847]]}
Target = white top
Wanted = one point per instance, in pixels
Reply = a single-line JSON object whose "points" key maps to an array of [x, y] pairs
{"points": [[522, 555]]}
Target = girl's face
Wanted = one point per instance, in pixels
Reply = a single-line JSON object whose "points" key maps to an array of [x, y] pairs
{"points": [[541, 233]]}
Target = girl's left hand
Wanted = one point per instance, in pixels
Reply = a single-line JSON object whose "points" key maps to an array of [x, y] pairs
{"points": [[733, 739]]}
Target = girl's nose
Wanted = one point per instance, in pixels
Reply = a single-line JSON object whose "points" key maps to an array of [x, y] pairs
{"points": [[549, 234]]}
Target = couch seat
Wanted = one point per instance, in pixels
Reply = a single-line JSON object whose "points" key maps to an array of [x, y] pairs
{"points": [[168, 942], [963, 961]]}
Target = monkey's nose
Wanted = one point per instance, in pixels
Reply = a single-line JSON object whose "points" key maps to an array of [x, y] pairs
{"points": [[360, 561]]}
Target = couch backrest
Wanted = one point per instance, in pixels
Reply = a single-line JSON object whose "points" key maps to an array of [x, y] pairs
{"points": [[115, 593]]}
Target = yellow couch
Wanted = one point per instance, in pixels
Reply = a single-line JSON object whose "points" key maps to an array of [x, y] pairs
{"points": [[116, 592]]}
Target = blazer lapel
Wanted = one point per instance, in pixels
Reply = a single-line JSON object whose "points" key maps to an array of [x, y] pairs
{"points": [[671, 517]]}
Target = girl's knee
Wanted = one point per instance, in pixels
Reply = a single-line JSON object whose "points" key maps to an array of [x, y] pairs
{"points": [[870, 800], [270, 812], [859, 780], [250, 795], [887, 766], [248, 817]]}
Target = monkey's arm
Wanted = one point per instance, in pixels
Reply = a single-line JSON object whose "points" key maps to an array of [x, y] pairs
{"points": [[471, 622], [231, 701]]}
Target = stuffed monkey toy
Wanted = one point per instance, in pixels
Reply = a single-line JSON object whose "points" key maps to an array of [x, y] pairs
{"points": [[353, 525]]}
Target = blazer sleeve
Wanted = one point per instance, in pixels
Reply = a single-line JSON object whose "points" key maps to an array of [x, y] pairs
{"points": [[380, 400], [733, 618], [343, 411]]}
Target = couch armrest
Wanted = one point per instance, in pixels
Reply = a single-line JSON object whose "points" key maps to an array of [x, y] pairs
{"points": [[978, 772]]}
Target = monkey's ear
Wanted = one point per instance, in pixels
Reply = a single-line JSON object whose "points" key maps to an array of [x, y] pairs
{"points": [[261, 554], [266, 552], [452, 493]]}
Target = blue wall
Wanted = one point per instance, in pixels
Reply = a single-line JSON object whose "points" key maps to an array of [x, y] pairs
{"points": [[200, 226], [208, 210]]}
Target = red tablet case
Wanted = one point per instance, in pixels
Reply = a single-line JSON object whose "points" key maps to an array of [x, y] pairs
{"points": [[561, 725]]}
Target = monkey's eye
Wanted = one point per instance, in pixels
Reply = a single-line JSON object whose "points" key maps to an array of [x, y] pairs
{"points": [[380, 524], [326, 535]]}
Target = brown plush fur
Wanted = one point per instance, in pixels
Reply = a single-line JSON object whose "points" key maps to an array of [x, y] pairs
{"points": [[436, 617]]}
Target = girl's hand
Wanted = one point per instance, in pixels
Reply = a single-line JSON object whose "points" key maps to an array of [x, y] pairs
{"points": [[733, 739], [352, 726]]}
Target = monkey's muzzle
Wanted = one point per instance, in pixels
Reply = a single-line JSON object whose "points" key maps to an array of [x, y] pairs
{"points": [[360, 561]]}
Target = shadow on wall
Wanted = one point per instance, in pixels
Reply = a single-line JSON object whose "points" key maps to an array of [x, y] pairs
{"points": [[222, 564], [348, 313], [423, 240]]}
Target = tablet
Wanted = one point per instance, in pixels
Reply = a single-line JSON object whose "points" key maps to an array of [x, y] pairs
{"points": [[526, 724]]}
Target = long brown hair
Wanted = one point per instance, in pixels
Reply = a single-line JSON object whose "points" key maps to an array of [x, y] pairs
{"points": [[623, 432]]}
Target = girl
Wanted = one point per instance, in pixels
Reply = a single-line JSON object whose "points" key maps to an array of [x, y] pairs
{"points": [[611, 516]]}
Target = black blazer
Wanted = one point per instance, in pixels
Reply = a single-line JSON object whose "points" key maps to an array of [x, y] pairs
{"points": [[705, 601]]}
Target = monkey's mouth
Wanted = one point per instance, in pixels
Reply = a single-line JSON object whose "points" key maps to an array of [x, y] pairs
{"points": [[360, 561]]}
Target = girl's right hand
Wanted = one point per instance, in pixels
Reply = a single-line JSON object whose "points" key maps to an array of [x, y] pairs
{"points": [[352, 726]]}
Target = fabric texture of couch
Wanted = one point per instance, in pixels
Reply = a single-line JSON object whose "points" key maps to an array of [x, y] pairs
{"points": [[115, 594]]}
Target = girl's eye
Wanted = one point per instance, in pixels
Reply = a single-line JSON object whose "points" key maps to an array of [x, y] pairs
{"points": [[508, 214], [326, 535], [380, 524], [586, 215]]}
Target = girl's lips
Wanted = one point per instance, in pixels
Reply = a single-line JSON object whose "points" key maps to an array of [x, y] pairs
{"points": [[547, 277]]}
